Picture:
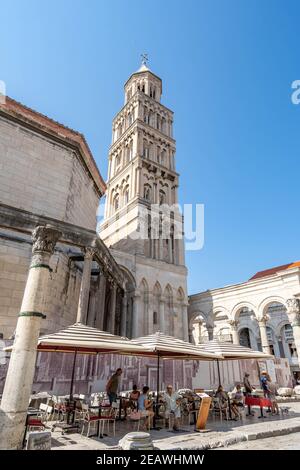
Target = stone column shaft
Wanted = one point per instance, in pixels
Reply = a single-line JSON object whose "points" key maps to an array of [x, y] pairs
{"points": [[85, 286], [124, 315], [19, 379], [293, 309], [161, 315], [135, 318], [185, 323], [263, 335], [101, 302], [112, 313]]}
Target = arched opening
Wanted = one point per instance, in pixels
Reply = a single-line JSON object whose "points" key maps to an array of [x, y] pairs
{"points": [[127, 303], [244, 336], [198, 331]]}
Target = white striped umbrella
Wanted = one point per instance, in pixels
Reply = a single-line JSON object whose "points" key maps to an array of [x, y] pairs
{"points": [[87, 340], [230, 351], [83, 339], [168, 347]]}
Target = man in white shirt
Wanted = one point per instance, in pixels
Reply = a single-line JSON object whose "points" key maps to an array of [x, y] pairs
{"points": [[172, 402]]}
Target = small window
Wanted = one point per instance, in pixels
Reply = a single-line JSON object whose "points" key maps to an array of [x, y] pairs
{"points": [[116, 202], [162, 197], [147, 192], [126, 196], [155, 318]]}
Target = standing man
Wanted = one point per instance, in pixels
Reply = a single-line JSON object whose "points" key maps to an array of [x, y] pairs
{"points": [[113, 385], [248, 390], [172, 401]]}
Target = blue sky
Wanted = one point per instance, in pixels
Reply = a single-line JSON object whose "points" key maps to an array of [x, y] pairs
{"points": [[227, 69]]}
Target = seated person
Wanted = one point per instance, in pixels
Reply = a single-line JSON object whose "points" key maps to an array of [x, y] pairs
{"points": [[133, 398], [145, 405], [222, 400], [172, 402], [237, 400]]}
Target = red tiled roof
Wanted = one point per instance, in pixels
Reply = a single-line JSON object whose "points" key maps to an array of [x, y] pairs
{"points": [[269, 272], [18, 110]]}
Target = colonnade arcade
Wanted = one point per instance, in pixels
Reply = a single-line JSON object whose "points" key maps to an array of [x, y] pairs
{"points": [[272, 327]]}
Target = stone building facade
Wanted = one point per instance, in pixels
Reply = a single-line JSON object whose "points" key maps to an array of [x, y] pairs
{"points": [[143, 225], [262, 313], [48, 176]]}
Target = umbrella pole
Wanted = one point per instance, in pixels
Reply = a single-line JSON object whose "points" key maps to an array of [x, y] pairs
{"points": [[72, 413], [73, 375], [157, 380]]}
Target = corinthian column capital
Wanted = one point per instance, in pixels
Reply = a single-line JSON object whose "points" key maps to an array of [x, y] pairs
{"points": [[262, 320], [233, 324], [293, 310], [89, 252], [44, 238], [293, 305]]}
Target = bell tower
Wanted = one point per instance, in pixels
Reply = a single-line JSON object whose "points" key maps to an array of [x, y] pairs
{"points": [[142, 224]]}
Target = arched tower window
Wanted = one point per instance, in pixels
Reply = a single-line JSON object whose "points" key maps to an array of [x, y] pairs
{"points": [[126, 195], [116, 202], [147, 192], [162, 197]]}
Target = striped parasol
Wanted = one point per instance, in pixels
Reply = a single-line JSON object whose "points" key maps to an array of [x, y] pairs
{"points": [[87, 340], [168, 347], [230, 351]]}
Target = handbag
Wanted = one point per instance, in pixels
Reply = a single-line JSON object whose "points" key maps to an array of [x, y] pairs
{"points": [[135, 415]]}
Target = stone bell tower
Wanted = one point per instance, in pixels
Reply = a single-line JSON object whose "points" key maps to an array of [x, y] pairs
{"points": [[142, 224]]}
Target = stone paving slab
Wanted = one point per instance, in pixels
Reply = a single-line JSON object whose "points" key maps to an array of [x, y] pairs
{"points": [[218, 434]]}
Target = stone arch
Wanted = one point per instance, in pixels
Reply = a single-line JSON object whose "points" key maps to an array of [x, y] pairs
{"points": [[280, 326], [235, 312], [180, 294], [157, 290], [263, 306], [219, 309], [129, 278]]}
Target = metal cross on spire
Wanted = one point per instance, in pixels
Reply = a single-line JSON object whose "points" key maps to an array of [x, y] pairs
{"points": [[144, 58]]}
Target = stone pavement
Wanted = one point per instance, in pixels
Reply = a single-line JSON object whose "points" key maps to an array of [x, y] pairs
{"points": [[286, 442], [218, 434]]}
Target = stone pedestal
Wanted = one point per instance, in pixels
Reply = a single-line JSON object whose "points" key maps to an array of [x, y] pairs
{"points": [[19, 379], [136, 441]]}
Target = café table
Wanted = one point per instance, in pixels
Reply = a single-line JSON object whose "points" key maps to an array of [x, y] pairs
{"points": [[99, 407], [262, 402]]}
